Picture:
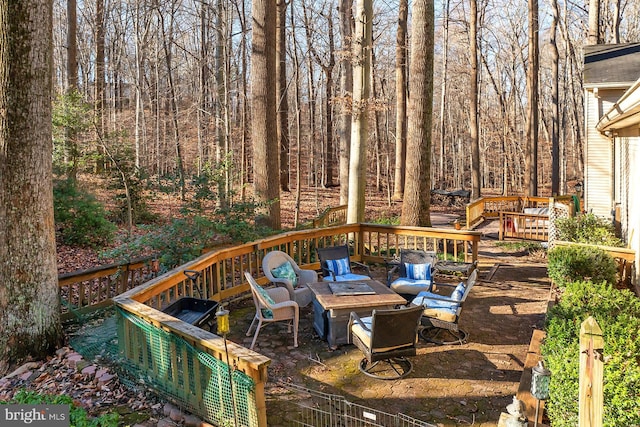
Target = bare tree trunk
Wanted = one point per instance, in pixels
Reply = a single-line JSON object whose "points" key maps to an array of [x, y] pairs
{"points": [[99, 80], [531, 163], [555, 128], [362, 43], [281, 91], [594, 22], [29, 305], [328, 70], [204, 107], [244, 159], [417, 196], [443, 89], [72, 45], [296, 87], [377, 132], [617, 17], [141, 32], [71, 145], [401, 101], [172, 100], [346, 88], [263, 118], [221, 105], [473, 102]]}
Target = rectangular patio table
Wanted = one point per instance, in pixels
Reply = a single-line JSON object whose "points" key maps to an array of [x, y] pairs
{"points": [[331, 312]]}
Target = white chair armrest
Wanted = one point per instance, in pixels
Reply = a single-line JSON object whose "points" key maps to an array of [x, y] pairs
{"points": [[279, 294], [307, 276]]}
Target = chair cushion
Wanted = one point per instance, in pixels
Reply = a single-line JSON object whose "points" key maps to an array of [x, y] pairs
{"points": [[430, 300], [263, 293], [418, 271], [339, 267], [410, 286], [444, 314], [365, 336], [285, 271], [346, 277], [458, 292]]}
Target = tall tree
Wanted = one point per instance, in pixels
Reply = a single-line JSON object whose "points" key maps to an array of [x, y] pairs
{"points": [[443, 88], [531, 161], [473, 101], [594, 22], [99, 95], [346, 88], [417, 194], [555, 115], [29, 307], [263, 111], [362, 43], [167, 43], [72, 46], [281, 92], [401, 100]]}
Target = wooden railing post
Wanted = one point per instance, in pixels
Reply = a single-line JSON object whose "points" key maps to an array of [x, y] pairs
{"points": [[590, 405]]}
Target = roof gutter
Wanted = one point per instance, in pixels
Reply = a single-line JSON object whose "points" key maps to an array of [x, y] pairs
{"points": [[624, 113]]}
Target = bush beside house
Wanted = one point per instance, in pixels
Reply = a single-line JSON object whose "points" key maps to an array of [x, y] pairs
{"points": [[618, 314], [586, 277]]}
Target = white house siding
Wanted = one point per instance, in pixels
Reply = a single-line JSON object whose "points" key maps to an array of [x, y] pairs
{"points": [[633, 200], [599, 177]]}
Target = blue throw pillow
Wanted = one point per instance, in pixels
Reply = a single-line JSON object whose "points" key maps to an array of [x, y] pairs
{"points": [[265, 311], [418, 271], [458, 292], [339, 267], [285, 271]]}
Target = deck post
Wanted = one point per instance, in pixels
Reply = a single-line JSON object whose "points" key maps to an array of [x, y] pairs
{"points": [[590, 402]]}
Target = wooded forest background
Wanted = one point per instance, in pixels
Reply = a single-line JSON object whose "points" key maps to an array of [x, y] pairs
{"points": [[169, 90]]}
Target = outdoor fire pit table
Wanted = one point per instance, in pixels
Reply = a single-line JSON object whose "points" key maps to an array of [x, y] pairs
{"points": [[331, 309]]}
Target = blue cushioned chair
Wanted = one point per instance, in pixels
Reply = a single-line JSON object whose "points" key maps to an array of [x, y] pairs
{"points": [[415, 269], [441, 311], [337, 266]]}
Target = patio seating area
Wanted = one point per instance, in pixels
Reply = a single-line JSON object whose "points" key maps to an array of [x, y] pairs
{"points": [[450, 385]]}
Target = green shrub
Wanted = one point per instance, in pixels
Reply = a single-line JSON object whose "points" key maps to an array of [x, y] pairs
{"points": [[587, 228], [184, 239], [78, 416], [80, 218], [574, 263], [140, 212], [618, 314]]}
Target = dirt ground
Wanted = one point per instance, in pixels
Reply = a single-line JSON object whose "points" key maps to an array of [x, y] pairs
{"points": [[451, 385]]}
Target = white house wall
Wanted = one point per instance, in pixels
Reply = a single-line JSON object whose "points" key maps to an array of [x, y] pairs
{"points": [[633, 200], [599, 179]]}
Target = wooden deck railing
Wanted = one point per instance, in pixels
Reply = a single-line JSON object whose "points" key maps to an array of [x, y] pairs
{"points": [[490, 207], [85, 290], [95, 287], [524, 226], [222, 278], [331, 216]]}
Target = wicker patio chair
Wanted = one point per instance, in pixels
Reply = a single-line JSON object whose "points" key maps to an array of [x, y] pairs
{"points": [[283, 271], [272, 305]]}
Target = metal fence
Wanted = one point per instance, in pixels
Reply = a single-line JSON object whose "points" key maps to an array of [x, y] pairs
{"points": [[330, 410]]}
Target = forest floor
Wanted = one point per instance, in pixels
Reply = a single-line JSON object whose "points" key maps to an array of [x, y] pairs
{"points": [[313, 201], [97, 388]]}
